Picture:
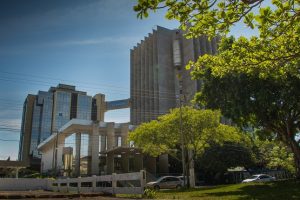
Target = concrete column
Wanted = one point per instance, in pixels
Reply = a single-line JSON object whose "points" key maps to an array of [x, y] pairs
{"points": [[146, 80], [151, 83], [150, 164], [94, 143], [163, 164], [138, 162], [77, 156], [110, 163], [124, 135], [125, 163], [101, 106], [142, 82], [214, 46], [111, 143], [17, 172], [155, 76], [138, 96], [59, 149], [203, 45], [131, 84]]}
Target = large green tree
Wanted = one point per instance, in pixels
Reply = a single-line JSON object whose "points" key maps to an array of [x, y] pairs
{"points": [[200, 130], [249, 100], [217, 159], [273, 154]]}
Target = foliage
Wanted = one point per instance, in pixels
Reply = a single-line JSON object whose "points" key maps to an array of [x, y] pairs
{"points": [[212, 17], [219, 158], [248, 99], [273, 155], [200, 129], [150, 194]]}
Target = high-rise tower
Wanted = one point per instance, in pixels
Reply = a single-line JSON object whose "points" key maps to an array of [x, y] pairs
{"points": [[154, 66]]}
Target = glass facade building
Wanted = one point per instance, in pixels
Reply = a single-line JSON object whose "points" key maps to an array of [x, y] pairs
{"points": [[50, 111]]}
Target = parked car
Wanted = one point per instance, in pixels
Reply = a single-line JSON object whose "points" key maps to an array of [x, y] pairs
{"points": [[259, 178], [165, 182], [182, 179]]}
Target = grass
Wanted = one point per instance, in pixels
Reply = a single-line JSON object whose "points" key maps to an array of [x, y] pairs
{"points": [[282, 190]]}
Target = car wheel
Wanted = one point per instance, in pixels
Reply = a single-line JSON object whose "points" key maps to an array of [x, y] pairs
{"points": [[156, 187], [178, 186]]}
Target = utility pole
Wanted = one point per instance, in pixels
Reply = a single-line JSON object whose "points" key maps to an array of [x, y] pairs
{"points": [[187, 166], [178, 64], [181, 133]]}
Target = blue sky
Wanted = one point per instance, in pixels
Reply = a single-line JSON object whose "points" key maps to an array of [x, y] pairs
{"points": [[85, 43]]}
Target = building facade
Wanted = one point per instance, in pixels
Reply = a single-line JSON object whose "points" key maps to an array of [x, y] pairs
{"points": [[155, 65], [159, 81], [46, 112]]}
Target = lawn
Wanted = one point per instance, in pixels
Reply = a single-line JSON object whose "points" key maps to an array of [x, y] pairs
{"points": [[269, 191]]}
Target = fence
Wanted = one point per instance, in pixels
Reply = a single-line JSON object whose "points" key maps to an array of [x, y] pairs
{"points": [[24, 184], [130, 183]]}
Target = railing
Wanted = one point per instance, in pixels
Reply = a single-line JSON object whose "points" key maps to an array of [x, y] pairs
{"points": [[130, 183]]}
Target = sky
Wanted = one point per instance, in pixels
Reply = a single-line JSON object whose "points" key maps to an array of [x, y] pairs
{"points": [[85, 43]]}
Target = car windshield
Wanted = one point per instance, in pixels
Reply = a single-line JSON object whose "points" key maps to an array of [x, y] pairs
{"points": [[159, 179], [254, 177]]}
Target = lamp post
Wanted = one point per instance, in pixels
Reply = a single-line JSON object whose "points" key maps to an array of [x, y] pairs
{"points": [[181, 132], [178, 65]]}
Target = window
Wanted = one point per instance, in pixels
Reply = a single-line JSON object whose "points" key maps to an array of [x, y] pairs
{"points": [[119, 141]]}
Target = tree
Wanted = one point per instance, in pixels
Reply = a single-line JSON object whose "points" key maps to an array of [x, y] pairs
{"points": [[273, 154], [217, 159], [271, 103], [200, 129]]}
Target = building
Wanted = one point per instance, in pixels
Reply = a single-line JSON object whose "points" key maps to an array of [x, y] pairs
{"points": [[159, 81], [108, 150], [46, 112], [155, 64]]}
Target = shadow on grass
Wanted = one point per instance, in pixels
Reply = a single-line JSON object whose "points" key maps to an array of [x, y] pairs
{"points": [[276, 190]]}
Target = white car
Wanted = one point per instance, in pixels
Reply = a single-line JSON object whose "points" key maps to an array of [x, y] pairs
{"points": [[165, 182], [259, 178]]}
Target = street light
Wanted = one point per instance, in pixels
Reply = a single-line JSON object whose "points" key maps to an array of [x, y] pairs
{"points": [[178, 66]]}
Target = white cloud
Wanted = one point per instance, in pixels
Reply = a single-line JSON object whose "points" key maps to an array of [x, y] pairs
{"points": [[98, 41]]}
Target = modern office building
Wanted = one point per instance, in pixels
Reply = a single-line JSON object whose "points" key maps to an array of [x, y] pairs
{"points": [[46, 112], [159, 81], [156, 63]]}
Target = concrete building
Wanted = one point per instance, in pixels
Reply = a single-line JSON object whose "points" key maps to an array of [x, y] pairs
{"points": [[107, 150], [46, 112], [154, 64], [159, 81]]}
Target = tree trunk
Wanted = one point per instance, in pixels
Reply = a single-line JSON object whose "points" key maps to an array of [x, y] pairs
{"points": [[296, 150]]}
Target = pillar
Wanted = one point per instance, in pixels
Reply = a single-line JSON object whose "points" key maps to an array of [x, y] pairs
{"points": [[125, 163], [124, 134], [150, 164], [77, 156], [111, 143], [59, 152], [110, 163], [163, 164], [138, 162], [94, 144], [17, 172]]}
